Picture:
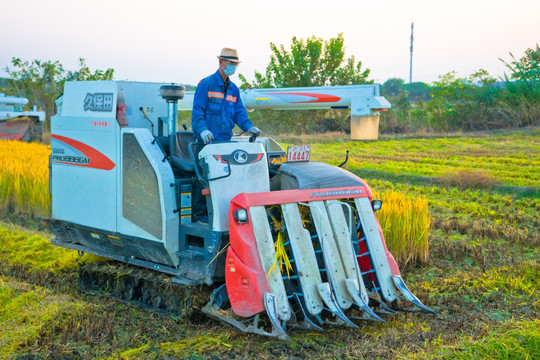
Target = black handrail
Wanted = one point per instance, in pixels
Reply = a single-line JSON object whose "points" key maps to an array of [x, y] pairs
{"points": [[346, 159], [196, 162]]}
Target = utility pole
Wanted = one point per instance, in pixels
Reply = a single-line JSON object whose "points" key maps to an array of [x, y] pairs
{"points": [[410, 70]]}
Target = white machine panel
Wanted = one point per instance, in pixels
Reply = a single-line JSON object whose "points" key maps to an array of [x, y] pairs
{"points": [[98, 99], [233, 168], [84, 167], [143, 96], [86, 154], [90, 99]]}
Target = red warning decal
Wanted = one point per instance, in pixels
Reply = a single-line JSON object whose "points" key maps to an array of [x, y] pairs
{"points": [[319, 98], [87, 157]]}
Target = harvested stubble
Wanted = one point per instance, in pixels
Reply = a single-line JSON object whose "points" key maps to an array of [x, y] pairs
{"points": [[29, 313]]}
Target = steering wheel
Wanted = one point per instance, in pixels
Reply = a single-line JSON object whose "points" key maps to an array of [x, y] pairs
{"points": [[252, 138]]}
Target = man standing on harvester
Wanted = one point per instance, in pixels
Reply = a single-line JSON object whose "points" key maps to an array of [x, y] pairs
{"points": [[217, 105]]}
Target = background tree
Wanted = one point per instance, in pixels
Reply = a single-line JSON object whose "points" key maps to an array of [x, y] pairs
{"points": [[521, 105], [85, 74], [42, 82], [418, 91], [38, 81], [396, 118], [310, 62], [527, 68], [393, 87]]}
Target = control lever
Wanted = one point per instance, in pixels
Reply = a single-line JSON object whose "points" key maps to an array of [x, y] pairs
{"points": [[146, 117]]}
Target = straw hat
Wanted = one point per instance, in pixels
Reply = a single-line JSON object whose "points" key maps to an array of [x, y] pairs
{"points": [[229, 54]]}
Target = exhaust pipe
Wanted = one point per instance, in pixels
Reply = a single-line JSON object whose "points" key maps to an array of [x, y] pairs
{"points": [[172, 93]]}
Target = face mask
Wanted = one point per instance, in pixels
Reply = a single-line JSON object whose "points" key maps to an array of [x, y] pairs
{"points": [[229, 70]]}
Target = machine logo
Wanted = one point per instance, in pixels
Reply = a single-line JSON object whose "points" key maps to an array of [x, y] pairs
{"points": [[240, 156], [334, 193], [101, 102], [75, 160]]}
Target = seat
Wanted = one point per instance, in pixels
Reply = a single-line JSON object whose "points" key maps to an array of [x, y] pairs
{"points": [[181, 158]]}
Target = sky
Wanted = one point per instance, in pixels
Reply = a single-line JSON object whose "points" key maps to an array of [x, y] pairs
{"points": [[177, 41]]}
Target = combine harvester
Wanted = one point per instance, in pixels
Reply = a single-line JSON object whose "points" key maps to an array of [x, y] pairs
{"points": [[290, 242], [16, 124]]}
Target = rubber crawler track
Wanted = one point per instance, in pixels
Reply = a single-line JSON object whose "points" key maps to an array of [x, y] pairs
{"points": [[144, 287]]}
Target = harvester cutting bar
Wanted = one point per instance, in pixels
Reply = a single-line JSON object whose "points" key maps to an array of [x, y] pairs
{"points": [[330, 242], [339, 257], [265, 246], [380, 262]]}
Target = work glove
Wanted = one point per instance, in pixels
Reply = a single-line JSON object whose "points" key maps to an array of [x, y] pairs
{"points": [[255, 131], [207, 136]]}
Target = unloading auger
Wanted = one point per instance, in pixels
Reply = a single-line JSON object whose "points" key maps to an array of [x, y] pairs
{"points": [[289, 243]]}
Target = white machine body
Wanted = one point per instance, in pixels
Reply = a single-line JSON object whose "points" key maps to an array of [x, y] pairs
{"points": [[233, 168], [112, 177]]}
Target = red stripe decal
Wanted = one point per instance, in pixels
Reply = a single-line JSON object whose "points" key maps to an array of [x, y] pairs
{"points": [[320, 98], [97, 159]]}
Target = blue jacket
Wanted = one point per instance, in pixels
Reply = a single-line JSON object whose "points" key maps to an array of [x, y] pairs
{"points": [[216, 111]]}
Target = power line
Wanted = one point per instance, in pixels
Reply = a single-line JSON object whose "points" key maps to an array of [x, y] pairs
{"points": [[410, 70]]}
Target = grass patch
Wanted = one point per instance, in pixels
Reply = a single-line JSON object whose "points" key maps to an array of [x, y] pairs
{"points": [[511, 340], [36, 253], [29, 313], [481, 275], [506, 159], [512, 284], [465, 179], [518, 340], [198, 345]]}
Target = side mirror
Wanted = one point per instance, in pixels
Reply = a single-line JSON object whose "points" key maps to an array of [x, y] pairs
{"points": [[376, 204]]}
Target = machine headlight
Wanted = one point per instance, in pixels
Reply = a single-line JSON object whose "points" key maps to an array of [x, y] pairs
{"points": [[376, 204], [241, 216]]}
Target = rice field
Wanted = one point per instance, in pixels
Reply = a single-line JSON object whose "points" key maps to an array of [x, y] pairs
{"points": [[24, 178], [24, 188], [481, 272]]}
